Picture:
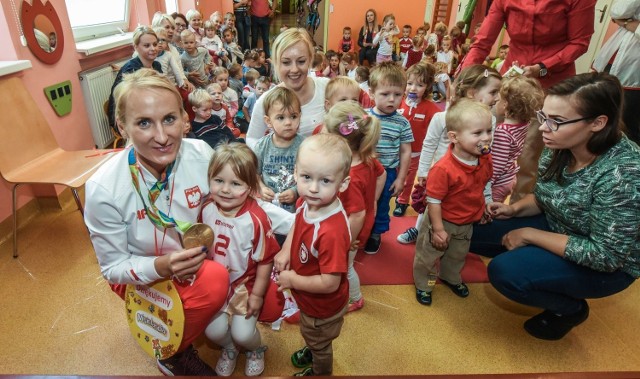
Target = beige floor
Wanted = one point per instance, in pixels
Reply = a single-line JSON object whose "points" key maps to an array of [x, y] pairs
{"points": [[57, 316]]}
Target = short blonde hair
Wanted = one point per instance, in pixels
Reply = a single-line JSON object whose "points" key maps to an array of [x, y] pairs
{"points": [[288, 38], [340, 82], [191, 13], [251, 75], [142, 79], [331, 147], [186, 34], [158, 17], [199, 97], [458, 115], [361, 140], [387, 73], [242, 160], [524, 96], [140, 31], [284, 96]]}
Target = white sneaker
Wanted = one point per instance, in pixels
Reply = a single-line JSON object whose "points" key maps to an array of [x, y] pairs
{"points": [[227, 362], [409, 236], [255, 362]]}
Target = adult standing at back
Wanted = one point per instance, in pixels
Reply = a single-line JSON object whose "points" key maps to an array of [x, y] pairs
{"points": [[243, 22], [620, 56], [292, 53], [261, 14], [547, 36], [365, 38]]}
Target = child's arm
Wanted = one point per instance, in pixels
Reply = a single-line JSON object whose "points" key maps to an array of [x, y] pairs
{"points": [[405, 159], [323, 283], [377, 38], [439, 237], [245, 112], [327, 71], [282, 259], [356, 222], [256, 297], [429, 146]]}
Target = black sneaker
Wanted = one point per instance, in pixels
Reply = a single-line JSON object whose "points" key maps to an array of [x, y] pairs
{"points": [[186, 363], [550, 326], [373, 244], [306, 372], [459, 289], [400, 209], [423, 297], [302, 358]]}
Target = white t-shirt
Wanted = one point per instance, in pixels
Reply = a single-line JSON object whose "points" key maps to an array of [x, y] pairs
{"points": [[312, 114]]}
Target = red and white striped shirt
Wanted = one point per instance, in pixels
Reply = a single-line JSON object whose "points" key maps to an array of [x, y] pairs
{"points": [[508, 141]]}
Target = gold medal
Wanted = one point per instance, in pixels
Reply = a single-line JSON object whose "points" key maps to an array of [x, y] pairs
{"points": [[198, 235]]}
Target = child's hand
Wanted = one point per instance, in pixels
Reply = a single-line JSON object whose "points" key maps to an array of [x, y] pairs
{"points": [[284, 279], [287, 197], [267, 193], [281, 260], [440, 239], [254, 305], [396, 187], [422, 181]]}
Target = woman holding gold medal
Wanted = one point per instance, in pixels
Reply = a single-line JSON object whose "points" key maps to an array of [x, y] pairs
{"points": [[140, 208]]}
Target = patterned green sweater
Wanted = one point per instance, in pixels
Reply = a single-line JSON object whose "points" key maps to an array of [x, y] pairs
{"points": [[598, 207]]}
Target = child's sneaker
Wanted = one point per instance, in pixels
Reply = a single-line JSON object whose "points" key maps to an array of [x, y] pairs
{"points": [[186, 363], [356, 305], [302, 358], [255, 362], [409, 236], [423, 297], [373, 244], [227, 362], [306, 372]]}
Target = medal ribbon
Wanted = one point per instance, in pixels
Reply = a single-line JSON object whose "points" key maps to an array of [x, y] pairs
{"points": [[157, 217]]}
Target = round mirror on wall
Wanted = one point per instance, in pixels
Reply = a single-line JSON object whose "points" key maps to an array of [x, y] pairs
{"points": [[43, 31]]}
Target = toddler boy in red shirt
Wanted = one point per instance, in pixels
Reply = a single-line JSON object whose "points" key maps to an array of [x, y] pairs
{"points": [[456, 197]]}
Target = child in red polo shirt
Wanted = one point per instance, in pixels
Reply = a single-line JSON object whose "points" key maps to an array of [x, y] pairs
{"points": [[456, 193], [313, 260]]}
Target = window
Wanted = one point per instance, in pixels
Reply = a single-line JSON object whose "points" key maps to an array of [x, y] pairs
{"points": [[171, 6], [97, 18]]}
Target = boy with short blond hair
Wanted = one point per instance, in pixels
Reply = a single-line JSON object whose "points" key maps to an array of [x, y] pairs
{"points": [[205, 125], [196, 60], [387, 84]]}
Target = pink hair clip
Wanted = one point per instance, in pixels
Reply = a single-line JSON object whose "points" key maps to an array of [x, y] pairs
{"points": [[347, 128]]}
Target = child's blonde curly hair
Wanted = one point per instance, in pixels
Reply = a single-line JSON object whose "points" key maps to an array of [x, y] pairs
{"points": [[523, 96]]}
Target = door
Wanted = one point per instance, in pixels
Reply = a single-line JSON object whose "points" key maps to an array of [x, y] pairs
{"points": [[441, 13], [601, 24]]}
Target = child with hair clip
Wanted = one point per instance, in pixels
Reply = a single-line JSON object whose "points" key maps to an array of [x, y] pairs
{"points": [[415, 54], [362, 132], [418, 108], [245, 246], [277, 151], [520, 98], [312, 262], [205, 125], [229, 96], [220, 109], [384, 39], [456, 200], [475, 82], [333, 69]]}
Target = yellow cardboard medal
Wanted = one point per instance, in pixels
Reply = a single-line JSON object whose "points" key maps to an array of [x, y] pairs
{"points": [[156, 317]]}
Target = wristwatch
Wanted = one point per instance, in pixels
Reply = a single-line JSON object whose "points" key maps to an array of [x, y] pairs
{"points": [[543, 69]]}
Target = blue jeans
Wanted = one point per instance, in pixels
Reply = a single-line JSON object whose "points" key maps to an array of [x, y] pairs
{"points": [[381, 223], [243, 25], [534, 276], [260, 28]]}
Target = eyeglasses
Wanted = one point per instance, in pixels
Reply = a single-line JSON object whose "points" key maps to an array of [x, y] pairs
{"points": [[554, 125]]}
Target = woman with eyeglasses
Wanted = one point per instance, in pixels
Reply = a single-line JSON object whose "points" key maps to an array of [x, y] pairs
{"points": [[577, 236]]}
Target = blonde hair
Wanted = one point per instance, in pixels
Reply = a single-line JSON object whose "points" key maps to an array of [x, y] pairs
{"points": [[340, 82], [472, 77], [187, 34], [219, 71], [362, 140], [140, 31], [348, 57], [425, 72], [242, 160], [440, 27], [284, 96], [212, 86], [417, 41], [331, 147], [208, 25], [251, 75], [362, 72], [524, 96], [458, 115], [158, 17], [441, 67], [142, 79], [199, 97], [191, 13], [288, 38], [387, 73], [159, 30], [388, 17]]}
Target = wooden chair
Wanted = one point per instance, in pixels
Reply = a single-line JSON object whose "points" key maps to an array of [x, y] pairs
{"points": [[29, 153]]}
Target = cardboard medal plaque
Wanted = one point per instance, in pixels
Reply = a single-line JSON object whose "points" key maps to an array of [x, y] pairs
{"points": [[156, 317]]}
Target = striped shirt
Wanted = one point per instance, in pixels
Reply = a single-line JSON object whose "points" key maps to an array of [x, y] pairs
{"points": [[508, 141], [394, 130]]}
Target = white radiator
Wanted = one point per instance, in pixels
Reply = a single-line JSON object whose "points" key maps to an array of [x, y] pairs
{"points": [[96, 87]]}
